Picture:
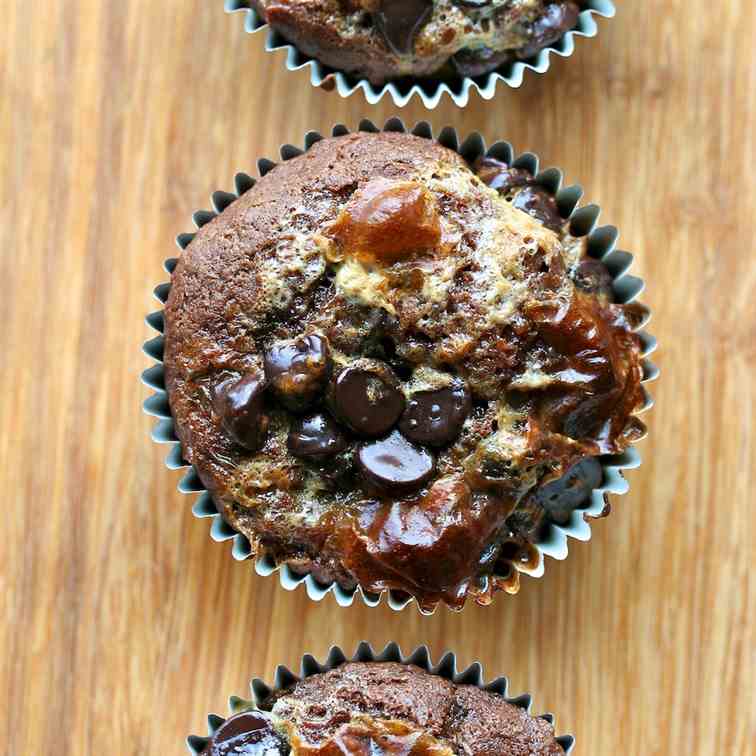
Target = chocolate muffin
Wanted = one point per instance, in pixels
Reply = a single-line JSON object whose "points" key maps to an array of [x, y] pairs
{"points": [[374, 708], [393, 369], [382, 40]]}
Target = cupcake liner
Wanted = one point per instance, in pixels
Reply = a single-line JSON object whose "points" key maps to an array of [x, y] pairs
{"points": [[420, 657], [428, 89], [601, 244]]}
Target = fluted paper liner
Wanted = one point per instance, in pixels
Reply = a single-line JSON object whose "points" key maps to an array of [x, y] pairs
{"points": [[430, 90], [601, 245], [420, 657]]}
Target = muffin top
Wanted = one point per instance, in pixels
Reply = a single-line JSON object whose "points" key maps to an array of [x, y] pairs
{"points": [[387, 39], [379, 359], [374, 708]]}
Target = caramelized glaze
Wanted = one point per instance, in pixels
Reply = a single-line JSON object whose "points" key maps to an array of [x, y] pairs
{"points": [[386, 221]]}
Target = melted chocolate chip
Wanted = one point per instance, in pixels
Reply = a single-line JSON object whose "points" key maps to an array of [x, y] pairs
{"points": [[248, 734], [541, 205], [436, 417], [527, 521], [368, 400], [400, 21], [316, 437], [395, 464], [432, 546], [588, 418], [478, 61], [557, 18], [592, 276], [519, 184], [500, 176], [298, 370], [240, 407]]}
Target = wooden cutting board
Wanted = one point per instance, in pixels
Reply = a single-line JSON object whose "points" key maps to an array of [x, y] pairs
{"points": [[121, 623]]}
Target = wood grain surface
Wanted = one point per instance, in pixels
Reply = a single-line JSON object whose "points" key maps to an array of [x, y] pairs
{"points": [[123, 624]]}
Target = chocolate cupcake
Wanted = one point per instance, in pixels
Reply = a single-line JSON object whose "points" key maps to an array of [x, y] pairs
{"points": [[383, 705], [437, 43], [395, 368]]}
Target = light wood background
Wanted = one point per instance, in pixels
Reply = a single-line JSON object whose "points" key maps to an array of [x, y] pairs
{"points": [[122, 623]]}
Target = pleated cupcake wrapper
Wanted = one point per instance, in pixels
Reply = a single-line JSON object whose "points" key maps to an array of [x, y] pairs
{"points": [[429, 90], [601, 244], [420, 657]]}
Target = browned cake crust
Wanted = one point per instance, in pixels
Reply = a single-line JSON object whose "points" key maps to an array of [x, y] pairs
{"points": [[386, 39], [383, 263], [371, 708]]}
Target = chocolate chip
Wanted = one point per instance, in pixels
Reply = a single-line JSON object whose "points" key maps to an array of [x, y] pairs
{"points": [[592, 276], [316, 437], [500, 176], [479, 61], [240, 406], [436, 417], [586, 420], [368, 399], [298, 370], [527, 521], [251, 733], [395, 464], [557, 18], [541, 205], [400, 21]]}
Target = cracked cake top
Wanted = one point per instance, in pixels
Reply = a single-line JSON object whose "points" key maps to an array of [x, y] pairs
{"points": [[380, 358]]}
